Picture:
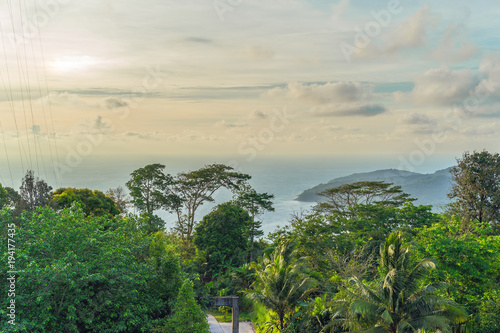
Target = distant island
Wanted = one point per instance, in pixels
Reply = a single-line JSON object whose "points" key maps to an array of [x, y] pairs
{"points": [[428, 189]]}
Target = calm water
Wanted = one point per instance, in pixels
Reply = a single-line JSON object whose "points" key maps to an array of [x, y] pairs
{"points": [[286, 178]]}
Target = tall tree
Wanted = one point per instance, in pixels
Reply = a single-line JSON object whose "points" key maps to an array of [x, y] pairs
{"points": [[342, 199], [255, 204], [281, 282], [399, 303], [93, 202], [34, 191], [4, 197], [223, 237], [120, 197], [192, 189], [476, 188], [147, 187]]}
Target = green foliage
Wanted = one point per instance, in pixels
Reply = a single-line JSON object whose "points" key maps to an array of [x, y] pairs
{"points": [[398, 302], [34, 192], [222, 235], [194, 188], [93, 202], [78, 274], [148, 187], [469, 260], [490, 312], [255, 204], [4, 197], [321, 236], [281, 283], [167, 277], [476, 188], [149, 223], [188, 316], [340, 200], [119, 197]]}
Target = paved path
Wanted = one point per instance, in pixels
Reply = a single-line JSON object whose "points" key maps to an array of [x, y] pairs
{"points": [[215, 327]]}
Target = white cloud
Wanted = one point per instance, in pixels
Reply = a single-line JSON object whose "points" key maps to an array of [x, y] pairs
{"points": [[229, 124], [443, 86], [412, 32], [454, 46], [360, 110], [337, 92]]}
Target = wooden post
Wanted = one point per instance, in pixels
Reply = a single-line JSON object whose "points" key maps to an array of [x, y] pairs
{"points": [[236, 316], [231, 301]]}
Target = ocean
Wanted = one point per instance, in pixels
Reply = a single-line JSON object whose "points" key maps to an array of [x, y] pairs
{"points": [[284, 177]]}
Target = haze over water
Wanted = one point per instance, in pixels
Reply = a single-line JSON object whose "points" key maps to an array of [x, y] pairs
{"points": [[284, 177]]}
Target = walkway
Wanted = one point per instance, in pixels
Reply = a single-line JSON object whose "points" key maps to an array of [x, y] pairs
{"points": [[215, 327]]}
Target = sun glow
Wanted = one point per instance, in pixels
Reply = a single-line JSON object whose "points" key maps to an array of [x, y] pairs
{"points": [[71, 64]]}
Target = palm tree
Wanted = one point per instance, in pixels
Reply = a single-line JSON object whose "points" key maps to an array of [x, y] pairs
{"points": [[399, 302], [280, 281]]}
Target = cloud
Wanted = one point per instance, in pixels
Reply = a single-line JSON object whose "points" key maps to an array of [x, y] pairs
{"points": [[258, 114], [418, 123], [454, 46], [443, 86], [323, 93], [259, 53], [145, 136], [412, 32], [481, 130], [95, 125], [417, 119], [115, 103], [409, 34], [359, 110], [197, 40], [69, 99], [223, 123]]}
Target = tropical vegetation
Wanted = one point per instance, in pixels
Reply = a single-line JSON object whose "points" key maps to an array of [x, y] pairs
{"points": [[364, 259]]}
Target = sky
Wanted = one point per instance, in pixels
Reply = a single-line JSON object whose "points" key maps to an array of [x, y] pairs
{"points": [[414, 80]]}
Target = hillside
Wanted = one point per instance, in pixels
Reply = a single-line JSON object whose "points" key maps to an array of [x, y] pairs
{"points": [[428, 189]]}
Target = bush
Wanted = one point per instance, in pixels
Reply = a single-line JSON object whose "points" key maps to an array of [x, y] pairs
{"points": [[188, 316], [81, 274]]}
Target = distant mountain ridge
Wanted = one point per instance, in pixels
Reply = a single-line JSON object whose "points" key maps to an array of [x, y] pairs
{"points": [[428, 189]]}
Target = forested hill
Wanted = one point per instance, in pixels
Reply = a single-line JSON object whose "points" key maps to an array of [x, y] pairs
{"points": [[429, 189]]}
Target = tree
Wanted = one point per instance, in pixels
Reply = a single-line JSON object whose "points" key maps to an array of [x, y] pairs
{"points": [[34, 192], [4, 197], [80, 276], [147, 187], [223, 237], [192, 189], [14, 198], [476, 188], [469, 260], [255, 204], [188, 316], [166, 262], [119, 197], [342, 199], [281, 282], [399, 303], [93, 202], [367, 228]]}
